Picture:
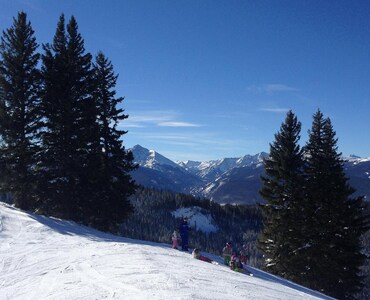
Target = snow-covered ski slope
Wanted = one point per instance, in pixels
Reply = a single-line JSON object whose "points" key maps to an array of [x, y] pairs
{"points": [[43, 258]]}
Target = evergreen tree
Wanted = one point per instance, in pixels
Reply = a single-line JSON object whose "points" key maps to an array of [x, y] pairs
{"points": [[336, 220], [282, 190], [113, 180], [69, 113], [19, 115]]}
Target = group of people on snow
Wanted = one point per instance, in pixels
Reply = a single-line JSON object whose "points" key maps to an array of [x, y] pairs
{"points": [[231, 258], [228, 253]]}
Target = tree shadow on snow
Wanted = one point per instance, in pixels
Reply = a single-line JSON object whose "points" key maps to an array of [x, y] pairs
{"points": [[269, 277], [72, 228]]}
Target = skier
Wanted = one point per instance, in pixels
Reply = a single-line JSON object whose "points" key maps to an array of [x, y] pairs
{"points": [[244, 254], [175, 239], [235, 263], [196, 254], [184, 233], [226, 253], [237, 266]]}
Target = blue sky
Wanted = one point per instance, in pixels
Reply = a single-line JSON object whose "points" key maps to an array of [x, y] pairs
{"points": [[211, 79]]}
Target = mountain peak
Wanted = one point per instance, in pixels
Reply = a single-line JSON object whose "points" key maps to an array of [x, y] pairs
{"points": [[150, 158]]}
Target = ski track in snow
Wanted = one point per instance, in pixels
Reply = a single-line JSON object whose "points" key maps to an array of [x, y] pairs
{"points": [[42, 258]]}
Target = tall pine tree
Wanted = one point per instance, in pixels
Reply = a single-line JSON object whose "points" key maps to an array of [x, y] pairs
{"points": [[282, 190], [336, 219], [113, 179], [19, 114], [69, 114]]}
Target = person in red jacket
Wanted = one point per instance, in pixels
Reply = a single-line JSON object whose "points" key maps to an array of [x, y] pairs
{"points": [[244, 254], [196, 254]]}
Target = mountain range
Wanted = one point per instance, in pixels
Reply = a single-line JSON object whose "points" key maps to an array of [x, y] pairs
{"points": [[225, 181]]}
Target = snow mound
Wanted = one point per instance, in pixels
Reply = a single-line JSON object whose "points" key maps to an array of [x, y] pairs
{"points": [[45, 258]]}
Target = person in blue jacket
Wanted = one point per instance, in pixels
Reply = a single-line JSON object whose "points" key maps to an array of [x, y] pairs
{"points": [[184, 233]]}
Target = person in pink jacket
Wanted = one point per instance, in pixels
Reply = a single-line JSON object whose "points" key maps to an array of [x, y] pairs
{"points": [[175, 239]]}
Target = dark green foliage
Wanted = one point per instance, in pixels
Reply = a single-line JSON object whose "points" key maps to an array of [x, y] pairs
{"points": [[336, 221], [282, 190], [69, 123], [313, 227], [365, 270], [152, 220], [109, 202], [19, 114], [60, 148], [84, 170]]}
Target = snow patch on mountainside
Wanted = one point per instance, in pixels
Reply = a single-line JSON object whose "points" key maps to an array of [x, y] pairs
{"points": [[198, 218], [356, 159]]}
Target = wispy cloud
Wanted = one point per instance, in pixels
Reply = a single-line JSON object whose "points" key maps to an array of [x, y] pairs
{"points": [[200, 146], [162, 118], [272, 88], [274, 110], [126, 124], [150, 117], [200, 139], [276, 88], [178, 124]]}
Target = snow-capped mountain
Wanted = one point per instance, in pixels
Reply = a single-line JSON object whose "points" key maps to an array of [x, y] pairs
{"points": [[219, 180], [210, 170], [157, 171], [239, 185], [47, 258], [228, 180], [151, 159], [358, 171]]}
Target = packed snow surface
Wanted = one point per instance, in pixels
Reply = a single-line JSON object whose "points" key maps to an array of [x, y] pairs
{"points": [[43, 258]]}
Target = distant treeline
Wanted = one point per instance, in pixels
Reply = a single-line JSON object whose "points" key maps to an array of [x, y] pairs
{"points": [[152, 220]]}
